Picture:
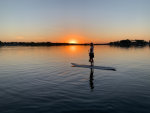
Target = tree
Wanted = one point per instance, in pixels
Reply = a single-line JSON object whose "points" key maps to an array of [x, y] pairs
{"points": [[0, 43], [125, 42]]}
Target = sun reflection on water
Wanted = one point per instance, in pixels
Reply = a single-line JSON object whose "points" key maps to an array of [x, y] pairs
{"points": [[73, 48]]}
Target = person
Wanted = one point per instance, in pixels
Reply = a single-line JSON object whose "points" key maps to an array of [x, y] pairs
{"points": [[91, 54]]}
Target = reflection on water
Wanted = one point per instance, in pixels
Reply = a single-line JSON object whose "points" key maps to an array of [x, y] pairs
{"points": [[73, 48], [41, 80], [91, 79]]}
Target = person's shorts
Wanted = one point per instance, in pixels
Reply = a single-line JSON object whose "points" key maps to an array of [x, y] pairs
{"points": [[91, 55]]}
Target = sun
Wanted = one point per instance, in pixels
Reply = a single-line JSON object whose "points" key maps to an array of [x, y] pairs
{"points": [[73, 41]]}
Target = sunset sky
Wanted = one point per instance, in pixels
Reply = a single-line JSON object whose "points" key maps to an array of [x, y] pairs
{"points": [[80, 21]]}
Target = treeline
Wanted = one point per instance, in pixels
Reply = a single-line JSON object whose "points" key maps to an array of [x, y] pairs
{"points": [[121, 43], [35, 44], [40, 44], [30, 44], [127, 43]]}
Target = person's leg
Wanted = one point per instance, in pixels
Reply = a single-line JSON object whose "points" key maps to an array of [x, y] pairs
{"points": [[92, 61], [89, 59]]}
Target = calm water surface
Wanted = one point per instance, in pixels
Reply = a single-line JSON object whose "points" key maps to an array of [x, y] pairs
{"points": [[41, 80]]}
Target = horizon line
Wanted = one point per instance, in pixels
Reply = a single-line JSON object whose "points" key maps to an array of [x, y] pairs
{"points": [[67, 42]]}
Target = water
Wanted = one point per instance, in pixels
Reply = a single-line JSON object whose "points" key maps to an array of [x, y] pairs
{"points": [[41, 80]]}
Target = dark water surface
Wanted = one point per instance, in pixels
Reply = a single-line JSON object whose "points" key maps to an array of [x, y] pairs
{"points": [[41, 80]]}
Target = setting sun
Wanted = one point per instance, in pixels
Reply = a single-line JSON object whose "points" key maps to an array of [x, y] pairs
{"points": [[73, 41]]}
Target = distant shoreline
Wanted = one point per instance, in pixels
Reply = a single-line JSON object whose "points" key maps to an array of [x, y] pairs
{"points": [[130, 43], [121, 43], [41, 44]]}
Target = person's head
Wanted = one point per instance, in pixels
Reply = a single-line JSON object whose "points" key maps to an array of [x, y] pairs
{"points": [[91, 44]]}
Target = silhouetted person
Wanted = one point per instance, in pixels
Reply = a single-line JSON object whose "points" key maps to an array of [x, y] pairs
{"points": [[91, 54], [91, 78]]}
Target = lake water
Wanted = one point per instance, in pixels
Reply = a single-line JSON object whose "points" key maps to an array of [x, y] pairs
{"points": [[41, 80]]}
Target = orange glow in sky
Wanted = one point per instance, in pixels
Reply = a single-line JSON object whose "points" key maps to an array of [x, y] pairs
{"points": [[74, 21], [72, 41], [73, 38]]}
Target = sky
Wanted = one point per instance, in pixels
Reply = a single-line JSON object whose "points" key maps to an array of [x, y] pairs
{"points": [[81, 21]]}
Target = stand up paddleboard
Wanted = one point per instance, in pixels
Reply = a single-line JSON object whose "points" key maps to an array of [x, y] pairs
{"points": [[93, 67]]}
